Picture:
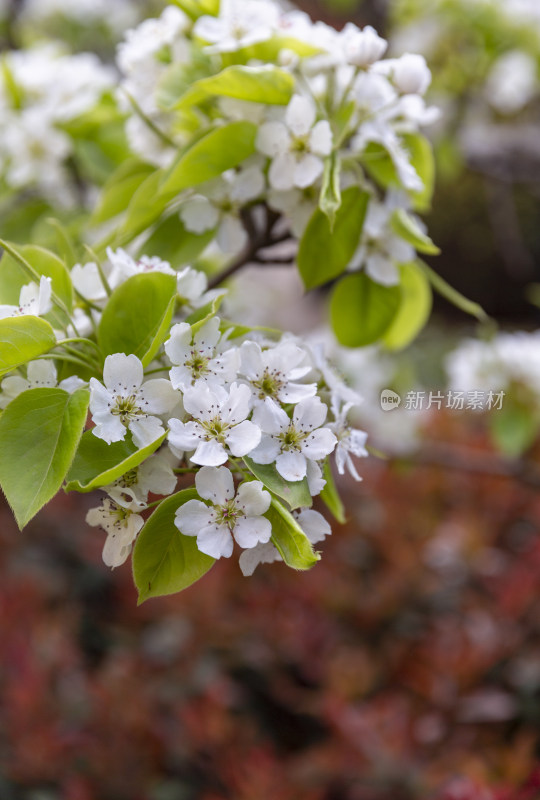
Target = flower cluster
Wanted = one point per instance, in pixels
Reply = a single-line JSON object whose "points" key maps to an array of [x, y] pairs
{"points": [[348, 106], [41, 91], [230, 408]]}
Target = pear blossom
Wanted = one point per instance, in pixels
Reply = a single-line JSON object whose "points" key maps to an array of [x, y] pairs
{"points": [[296, 205], [219, 206], [88, 283], [124, 266], [155, 475], [296, 145], [34, 300], [199, 357], [362, 47], [312, 523], [274, 372], [240, 23], [409, 73], [349, 441], [126, 403], [39, 374], [219, 424], [512, 82], [121, 525], [381, 249], [229, 517], [291, 443]]}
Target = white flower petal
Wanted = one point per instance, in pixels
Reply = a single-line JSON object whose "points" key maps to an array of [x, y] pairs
{"points": [[216, 541], [310, 414], [319, 444], [308, 168], [243, 438], [157, 396], [192, 517], [267, 451], [300, 115], [252, 499], [281, 172], [146, 430], [185, 435], [273, 139], [320, 139], [250, 531], [123, 374], [313, 524], [291, 466], [210, 454], [215, 484]]}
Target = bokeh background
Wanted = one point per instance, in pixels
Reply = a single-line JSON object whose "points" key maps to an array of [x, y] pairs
{"points": [[405, 665]]}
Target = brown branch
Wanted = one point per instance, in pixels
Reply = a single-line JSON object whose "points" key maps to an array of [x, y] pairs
{"points": [[474, 462], [258, 240]]}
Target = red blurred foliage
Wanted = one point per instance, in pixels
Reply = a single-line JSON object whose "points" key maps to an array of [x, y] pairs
{"points": [[405, 665]]}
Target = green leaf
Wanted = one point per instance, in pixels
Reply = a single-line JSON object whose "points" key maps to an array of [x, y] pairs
{"points": [[514, 428], [288, 537], [330, 199], [362, 310], [119, 189], [452, 295], [138, 316], [325, 253], [295, 493], [164, 560], [330, 495], [173, 243], [268, 84], [380, 166], [145, 207], [39, 433], [22, 339], [196, 8], [22, 264], [201, 315], [97, 463], [406, 227], [414, 310], [211, 156]]}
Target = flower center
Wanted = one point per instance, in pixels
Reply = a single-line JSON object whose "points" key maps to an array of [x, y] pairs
{"points": [[126, 408], [198, 364], [268, 385], [300, 144], [228, 514], [130, 478], [215, 429], [291, 438]]}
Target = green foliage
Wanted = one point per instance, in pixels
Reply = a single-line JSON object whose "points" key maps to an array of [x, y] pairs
{"points": [[515, 426], [120, 188], [290, 540], [330, 495], [138, 316], [164, 560], [173, 243], [21, 264], [380, 166], [267, 84], [196, 8], [22, 339], [39, 433], [295, 493], [218, 151], [330, 199], [362, 310], [406, 227], [97, 463], [414, 309], [326, 251]]}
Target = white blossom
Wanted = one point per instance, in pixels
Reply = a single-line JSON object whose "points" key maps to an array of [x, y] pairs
{"points": [[312, 523], [39, 374], [512, 82], [155, 475], [34, 300], [292, 442], [200, 356], [381, 249], [121, 525], [124, 266], [228, 516], [409, 73], [275, 371], [362, 47], [126, 403], [240, 23], [349, 441], [219, 424], [296, 145], [88, 283]]}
